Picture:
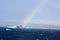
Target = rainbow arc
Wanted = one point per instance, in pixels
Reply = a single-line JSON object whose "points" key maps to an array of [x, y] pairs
{"points": [[37, 8]]}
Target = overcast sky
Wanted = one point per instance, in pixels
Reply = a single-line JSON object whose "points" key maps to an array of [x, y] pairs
{"points": [[17, 10]]}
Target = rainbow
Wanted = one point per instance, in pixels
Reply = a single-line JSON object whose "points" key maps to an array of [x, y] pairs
{"points": [[38, 7]]}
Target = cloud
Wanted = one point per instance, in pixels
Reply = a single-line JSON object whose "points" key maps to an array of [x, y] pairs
{"points": [[46, 22], [34, 21], [10, 22]]}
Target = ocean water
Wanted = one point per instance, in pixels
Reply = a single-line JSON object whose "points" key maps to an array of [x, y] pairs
{"points": [[28, 34]]}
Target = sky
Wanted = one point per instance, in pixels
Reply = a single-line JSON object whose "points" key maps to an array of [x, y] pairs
{"points": [[16, 10]]}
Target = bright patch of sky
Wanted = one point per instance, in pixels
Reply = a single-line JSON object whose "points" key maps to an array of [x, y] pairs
{"points": [[17, 10]]}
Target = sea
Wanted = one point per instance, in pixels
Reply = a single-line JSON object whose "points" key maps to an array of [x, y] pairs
{"points": [[28, 34]]}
